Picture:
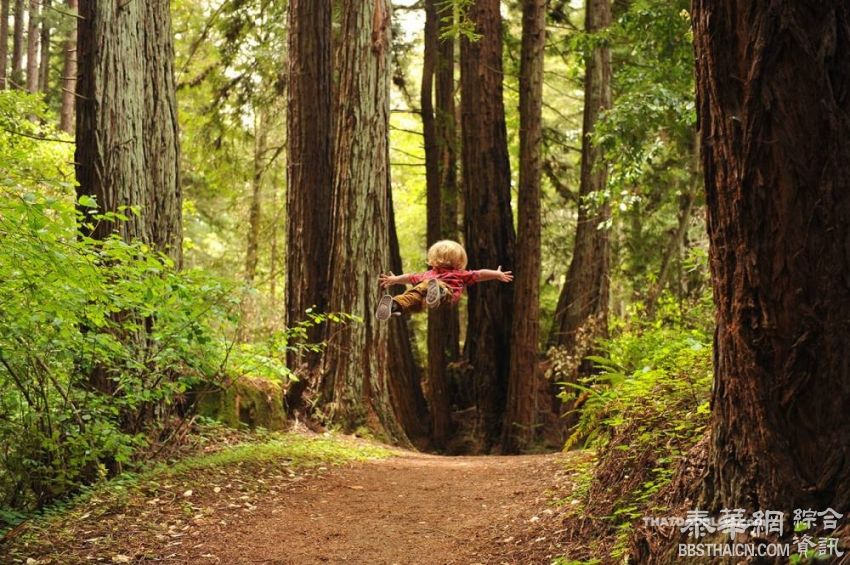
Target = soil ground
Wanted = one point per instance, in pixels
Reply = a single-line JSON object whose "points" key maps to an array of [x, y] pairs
{"points": [[410, 508]]}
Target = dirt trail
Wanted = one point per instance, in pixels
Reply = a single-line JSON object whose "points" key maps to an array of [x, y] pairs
{"points": [[410, 509]]}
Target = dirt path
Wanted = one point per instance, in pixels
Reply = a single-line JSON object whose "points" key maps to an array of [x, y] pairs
{"points": [[409, 509]]}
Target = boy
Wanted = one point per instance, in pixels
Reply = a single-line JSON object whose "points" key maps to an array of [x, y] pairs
{"points": [[444, 282]]}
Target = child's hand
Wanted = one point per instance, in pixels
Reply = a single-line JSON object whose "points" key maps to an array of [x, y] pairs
{"points": [[387, 280], [504, 276]]}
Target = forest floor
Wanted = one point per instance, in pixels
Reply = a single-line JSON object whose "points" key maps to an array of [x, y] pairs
{"points": [[370, 505]]}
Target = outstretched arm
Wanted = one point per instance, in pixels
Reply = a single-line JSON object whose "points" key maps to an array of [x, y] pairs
{"points": [[391, 279], [497, 275]]}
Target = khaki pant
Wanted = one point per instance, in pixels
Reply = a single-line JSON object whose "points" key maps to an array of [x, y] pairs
{"points": [[413, 299]]}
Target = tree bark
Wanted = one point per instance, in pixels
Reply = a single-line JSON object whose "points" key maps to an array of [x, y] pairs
{"points": [[126, 132], [584, 297], [44, 64], [69, 76], [161, 134], [17, 76], [32, 46], [773, 99], [441, 187], [521, 412], [309, 176], [405, 372], [355, 386], [488, 222], [4, 41], [110, 153]]}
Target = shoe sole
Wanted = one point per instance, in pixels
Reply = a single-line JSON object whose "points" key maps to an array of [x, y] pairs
{"points": [[432, 299], [385, 308]]}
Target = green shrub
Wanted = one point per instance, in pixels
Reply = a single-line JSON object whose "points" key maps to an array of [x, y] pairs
{"points": [[644, 409]]}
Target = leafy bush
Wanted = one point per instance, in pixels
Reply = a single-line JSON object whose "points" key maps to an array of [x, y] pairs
{"points": [[647, 406], [99, 340]]}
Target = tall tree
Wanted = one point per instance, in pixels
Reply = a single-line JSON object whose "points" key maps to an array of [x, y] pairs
{"points": [[441, 189], [355, 387], [162, 139], [405, 373], [69, 75], [32, 46], [309, 173], [520, 415], [488, 220], [773, 89], [127, 153], [110, 156], [584, 298], [18, 45], [44, 63], [252, 255], [4, 41]]}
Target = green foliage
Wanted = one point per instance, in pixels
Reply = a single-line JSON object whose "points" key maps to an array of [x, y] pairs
{"points": [[644, 408]]}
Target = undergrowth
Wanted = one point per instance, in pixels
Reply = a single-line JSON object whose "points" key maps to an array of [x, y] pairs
{"points": [[647, 405]]}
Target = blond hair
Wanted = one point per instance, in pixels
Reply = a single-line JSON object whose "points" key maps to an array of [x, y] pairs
{"points": [[447, 254]]}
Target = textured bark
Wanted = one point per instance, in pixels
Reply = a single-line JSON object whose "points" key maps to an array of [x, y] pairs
{"points": [[32, 46], [584, 297], [4, 41], [309, 174], [355, 387], [44, 63], [441, 183], [162, 140], [405, 373], [69, 76], [521, 412], [126, 131], [17, 76], [110, 154], [773, 89], [488, 222]]}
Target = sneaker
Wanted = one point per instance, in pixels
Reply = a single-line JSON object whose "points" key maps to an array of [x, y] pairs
{"points": [[385, 308], [435, 294]]}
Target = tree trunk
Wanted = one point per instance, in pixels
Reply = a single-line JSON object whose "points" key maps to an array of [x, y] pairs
{"points": [[488, 222], [162, 138], [127, 153], [44, 64], [32, 46], [254, 215], [17, 76], [773, 90], [110, 153], [584, 298], [69, 76], [441, 184], [309, 176], [520, 416], [4, 41], [356, 368], [405, 373]]}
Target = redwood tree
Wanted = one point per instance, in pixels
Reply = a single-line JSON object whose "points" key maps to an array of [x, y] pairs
{"points": [[32, 45], [126, 152], [69, 75], [520, 416], [162, 140], [584, 297], [773, 90], [488, 221], [441, 191], [355, 388], [4, 40], [309, 172], [18, 45]]}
